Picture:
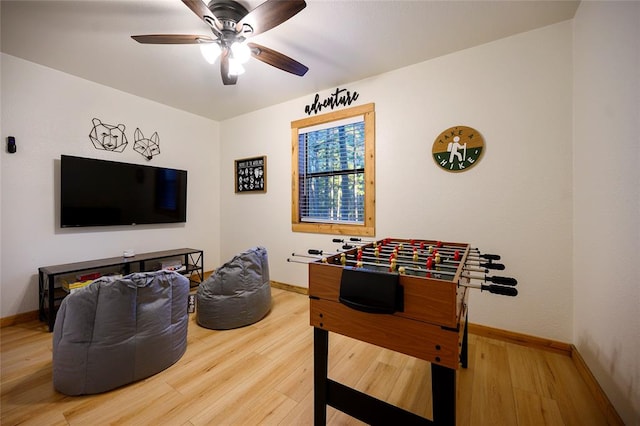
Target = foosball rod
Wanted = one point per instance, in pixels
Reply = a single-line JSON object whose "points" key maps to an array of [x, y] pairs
{"points": [[424, 257], [312, 258], [443, 263], [305, 262], [385, 254], [508, 281], [495, 289], [358, 263], [315, 254]]}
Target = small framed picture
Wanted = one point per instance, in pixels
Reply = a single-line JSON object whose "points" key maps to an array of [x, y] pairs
{"points": [[251, 174]]}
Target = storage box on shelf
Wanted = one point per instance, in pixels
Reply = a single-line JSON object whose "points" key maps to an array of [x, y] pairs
{"points": [[51, 279]]}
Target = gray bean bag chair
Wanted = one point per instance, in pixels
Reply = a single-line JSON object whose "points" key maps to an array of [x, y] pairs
{"points": [[117, 331], [237, 294]]}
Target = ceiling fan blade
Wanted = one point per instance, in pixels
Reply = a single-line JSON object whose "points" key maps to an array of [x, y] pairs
{"points": [[277, 59], [224, 69], [270, 14], [203, 12], [172, 39]]}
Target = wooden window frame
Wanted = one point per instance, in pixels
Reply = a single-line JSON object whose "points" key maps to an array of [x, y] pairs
{"points": [[366, 229]]}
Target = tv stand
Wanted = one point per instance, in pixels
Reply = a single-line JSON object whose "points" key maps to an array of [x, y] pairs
{"points": [[51, 292]]}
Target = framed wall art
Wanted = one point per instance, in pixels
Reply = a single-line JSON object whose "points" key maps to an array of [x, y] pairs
{"points": [[251, 175]]}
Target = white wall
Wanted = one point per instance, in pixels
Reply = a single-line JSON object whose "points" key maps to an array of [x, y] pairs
{"points": [[515, 202], [50, 114], [607, 198]]}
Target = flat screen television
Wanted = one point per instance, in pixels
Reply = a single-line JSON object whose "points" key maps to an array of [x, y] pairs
{"points": [[105, 193]]}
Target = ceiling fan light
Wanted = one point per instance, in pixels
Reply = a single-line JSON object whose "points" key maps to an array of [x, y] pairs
{"points": [[241, 52], [235, 67], [210, 51]]}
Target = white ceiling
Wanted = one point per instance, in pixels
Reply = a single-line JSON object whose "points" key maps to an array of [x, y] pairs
{"points": [[341, 41]]}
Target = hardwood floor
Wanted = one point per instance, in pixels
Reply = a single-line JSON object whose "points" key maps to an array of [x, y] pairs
{"points": [[262, 374]]}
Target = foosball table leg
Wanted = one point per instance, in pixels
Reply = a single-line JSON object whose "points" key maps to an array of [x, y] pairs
{"points": [[464, 350], [320, 370], [443, 389]]}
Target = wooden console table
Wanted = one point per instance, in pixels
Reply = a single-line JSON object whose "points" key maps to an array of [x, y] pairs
{"points": [[51, 292]]}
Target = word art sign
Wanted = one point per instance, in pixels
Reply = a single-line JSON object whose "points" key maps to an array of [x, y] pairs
{"points": [[251, 174], [341, 97]]}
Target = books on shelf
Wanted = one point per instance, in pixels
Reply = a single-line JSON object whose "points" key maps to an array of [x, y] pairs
{"points": [[74, 286], [83, 281], [89, 277]]}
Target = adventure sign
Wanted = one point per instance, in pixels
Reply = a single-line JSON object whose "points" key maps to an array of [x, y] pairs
{"points": [[458, 148]]}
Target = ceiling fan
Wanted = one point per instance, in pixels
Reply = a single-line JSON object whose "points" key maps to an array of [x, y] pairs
{"points": [[232, 25]]}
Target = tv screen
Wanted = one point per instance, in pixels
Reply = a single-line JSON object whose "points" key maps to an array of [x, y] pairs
{"points": [[103, 193]]}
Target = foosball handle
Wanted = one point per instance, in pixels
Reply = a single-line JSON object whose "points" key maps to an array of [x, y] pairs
{"points": [[338, 240], [503, 280], [355, 239], [501, 290], [490, 256], [314, 251], [497, 266]]}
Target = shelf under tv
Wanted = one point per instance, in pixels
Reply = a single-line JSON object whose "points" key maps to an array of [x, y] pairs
{"points": [[51, 291]]}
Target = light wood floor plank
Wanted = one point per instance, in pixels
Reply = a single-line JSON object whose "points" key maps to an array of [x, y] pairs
{"points": [[263, 374], [492, 392], [528, 370], [570, 392], [464, 385], [535, 410], [412, 389]]}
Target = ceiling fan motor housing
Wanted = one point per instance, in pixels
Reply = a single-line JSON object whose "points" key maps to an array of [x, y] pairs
{"points": [[228, 10], [229, 13]]}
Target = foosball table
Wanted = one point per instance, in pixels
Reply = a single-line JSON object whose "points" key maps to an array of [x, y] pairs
{"points": [[409, 296]]}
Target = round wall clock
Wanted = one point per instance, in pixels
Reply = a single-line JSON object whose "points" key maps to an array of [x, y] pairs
{"points": [[458, 148]]}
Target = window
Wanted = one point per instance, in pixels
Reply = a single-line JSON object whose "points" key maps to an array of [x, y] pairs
{"points": [[333, 179]]}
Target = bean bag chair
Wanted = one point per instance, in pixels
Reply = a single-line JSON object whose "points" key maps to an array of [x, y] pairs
{"points": [[119, 330], [236, 294]]}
